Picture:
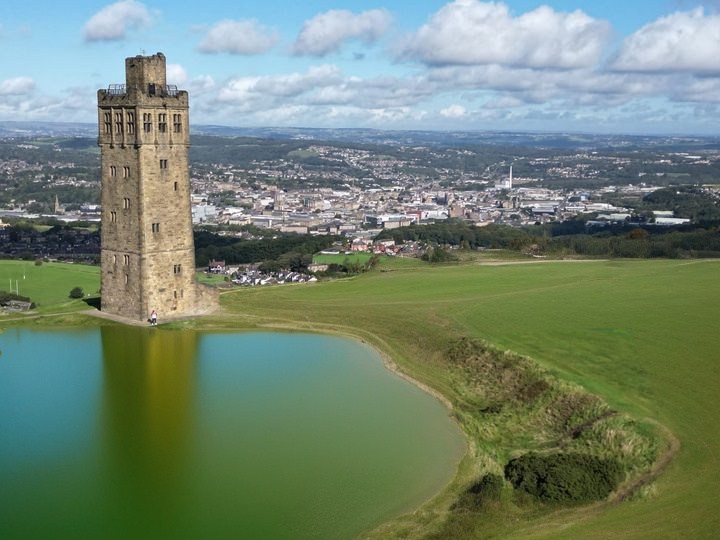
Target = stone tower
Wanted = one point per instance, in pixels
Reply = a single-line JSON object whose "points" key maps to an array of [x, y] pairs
{"points": [[147, 255]]}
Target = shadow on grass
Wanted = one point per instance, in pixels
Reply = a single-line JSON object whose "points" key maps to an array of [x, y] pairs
{"points": [[93, 302]]}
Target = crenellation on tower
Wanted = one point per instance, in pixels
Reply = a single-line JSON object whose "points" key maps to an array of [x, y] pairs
{"points": [[148, 255]]}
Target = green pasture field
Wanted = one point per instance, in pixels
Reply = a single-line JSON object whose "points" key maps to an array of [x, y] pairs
{"points": [[362, 258], [302, 153], [49, 283], [641, 334], [487, 255], [210, 279]]}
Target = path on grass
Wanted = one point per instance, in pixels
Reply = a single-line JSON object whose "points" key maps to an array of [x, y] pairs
{"points": [[658, 467]]}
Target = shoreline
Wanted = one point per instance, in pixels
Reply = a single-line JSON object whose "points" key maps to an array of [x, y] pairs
{"points": [[436, 506], [625, 491], [89, 319]]}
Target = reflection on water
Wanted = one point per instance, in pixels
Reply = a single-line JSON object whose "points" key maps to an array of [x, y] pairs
{"points": [[143, 433], [147, 408]]}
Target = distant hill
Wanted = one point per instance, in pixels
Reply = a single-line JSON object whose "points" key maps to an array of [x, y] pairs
{"points": [[465, 138], [583, 141], [47, 129]]}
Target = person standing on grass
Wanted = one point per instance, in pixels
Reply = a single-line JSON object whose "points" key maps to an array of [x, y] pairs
{"points": [[153, 318]]}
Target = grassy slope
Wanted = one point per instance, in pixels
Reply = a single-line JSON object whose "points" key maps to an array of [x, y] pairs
{"points": [[642, 334], [49, 283], [340, 259]]}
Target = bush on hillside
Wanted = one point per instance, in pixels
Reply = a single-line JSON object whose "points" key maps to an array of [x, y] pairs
{"points": [[481, 494], [564, 476], [77, 292], [438, 254]]}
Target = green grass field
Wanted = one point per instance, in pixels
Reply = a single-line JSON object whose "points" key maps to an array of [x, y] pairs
{"points": [[49, 283], [362, 258], [641, 334], [210, 279]]}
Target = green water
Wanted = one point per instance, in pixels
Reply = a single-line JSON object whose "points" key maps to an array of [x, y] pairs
{"points": [[127, 433]]}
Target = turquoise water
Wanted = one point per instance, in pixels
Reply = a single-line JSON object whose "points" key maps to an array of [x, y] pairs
{"points": [[119, 432]]}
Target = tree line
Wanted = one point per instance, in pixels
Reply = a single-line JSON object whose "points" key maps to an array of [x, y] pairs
{"points": [[281, 251], [574, 237]]}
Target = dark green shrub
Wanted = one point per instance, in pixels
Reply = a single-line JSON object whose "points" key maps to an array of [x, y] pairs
{"points": [[489, 486], [564, 477], [77, 292], [6, 297]]}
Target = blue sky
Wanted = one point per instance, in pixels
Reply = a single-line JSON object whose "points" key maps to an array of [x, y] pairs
{"points": [[630, 66]]}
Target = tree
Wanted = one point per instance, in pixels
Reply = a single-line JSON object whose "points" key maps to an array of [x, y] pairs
{"points": [[77, 292], [438, 254]]}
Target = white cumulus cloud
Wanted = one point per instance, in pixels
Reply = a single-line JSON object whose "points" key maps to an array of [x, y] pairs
{"points": [[326, 32], [683, 41], [243, 89], [16, 86], [238, 37], [698, 90], [503, 102], [468, 32], [176, 74], [535, 87], [201, 84], [453, 111], [112, 22]]}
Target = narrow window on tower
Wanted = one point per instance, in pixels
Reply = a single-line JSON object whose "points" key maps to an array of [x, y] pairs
{"points": [[175, 186], [177, 123], [126, 203], [162, 122], [127, 278], [156, 227], [113, 170], [126, 172], [108, 122], [131, 123], [147, 122], [177, 269], [163, 163], [114, 259], [118, 123], [113, 217], [126, 260]]}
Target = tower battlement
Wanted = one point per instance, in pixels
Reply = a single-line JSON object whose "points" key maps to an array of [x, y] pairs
{"points": [[147, 252]]}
